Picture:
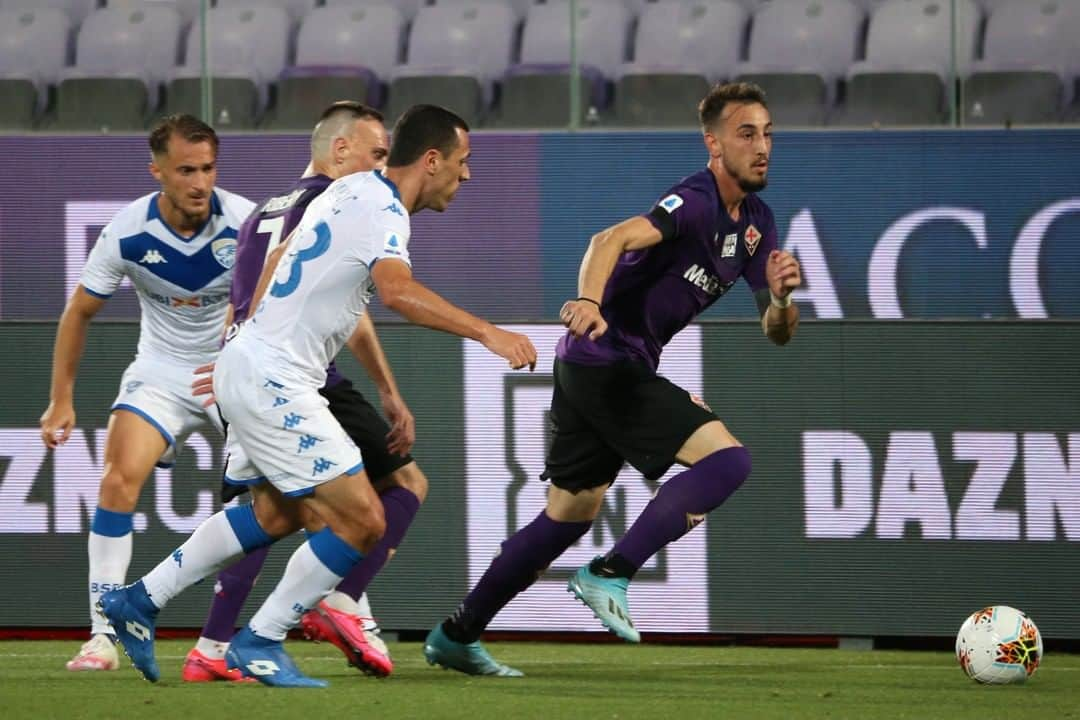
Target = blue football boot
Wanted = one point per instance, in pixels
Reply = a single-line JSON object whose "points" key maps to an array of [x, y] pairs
{"points": [[606, 597], [133, 616], [266, 661], [469, 658]]}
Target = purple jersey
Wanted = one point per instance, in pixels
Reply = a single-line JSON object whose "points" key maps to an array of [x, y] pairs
{"points": [[263, 231], [656, 292]]}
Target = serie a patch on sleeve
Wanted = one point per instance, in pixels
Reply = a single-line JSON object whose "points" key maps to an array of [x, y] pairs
{"points": [[671, 203]]}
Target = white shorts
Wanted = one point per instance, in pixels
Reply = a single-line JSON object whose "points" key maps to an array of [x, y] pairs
{"points": [[278, 431], [160, 393]]}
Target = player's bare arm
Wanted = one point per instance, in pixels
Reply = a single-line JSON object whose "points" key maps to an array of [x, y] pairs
{"points": [[418, 304], [366, 348], [582, 315], [59, 418], [779, 315]]}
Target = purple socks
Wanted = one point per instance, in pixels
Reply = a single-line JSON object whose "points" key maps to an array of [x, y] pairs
{"points": [[524, 556], [233, 585], [680, 506], [399, 508]]}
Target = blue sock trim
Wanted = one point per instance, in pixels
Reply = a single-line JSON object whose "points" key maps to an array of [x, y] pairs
{"points": [[247, 528], [334, 552], [110, 523]]}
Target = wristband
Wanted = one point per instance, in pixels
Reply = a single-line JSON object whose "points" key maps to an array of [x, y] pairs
{"points": [[585, 299], [780, 302]]}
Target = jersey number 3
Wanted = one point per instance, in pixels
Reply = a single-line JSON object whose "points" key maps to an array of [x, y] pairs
{"points": [[316, 249]]}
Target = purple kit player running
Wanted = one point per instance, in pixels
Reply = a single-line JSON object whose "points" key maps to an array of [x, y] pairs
{"points": [[350, 137], [641, 282]]}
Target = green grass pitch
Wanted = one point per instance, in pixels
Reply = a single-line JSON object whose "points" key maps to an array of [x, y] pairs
{"points": [[582, 682]]}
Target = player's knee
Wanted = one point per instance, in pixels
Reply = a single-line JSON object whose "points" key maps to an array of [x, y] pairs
{"points": [[410, 477], [275, 523], [119, 490], [363, 527], [415, 481]]}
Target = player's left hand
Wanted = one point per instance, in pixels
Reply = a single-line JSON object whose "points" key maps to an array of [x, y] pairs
{"points": [[402, 433], [204, 384], [582, 317], [782, 273]]}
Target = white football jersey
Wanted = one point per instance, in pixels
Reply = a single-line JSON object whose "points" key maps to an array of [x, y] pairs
{"points": [[182, 283], [322, 283]]}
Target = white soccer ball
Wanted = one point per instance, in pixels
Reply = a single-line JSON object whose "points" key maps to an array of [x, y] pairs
{"points": [[999, 645]]}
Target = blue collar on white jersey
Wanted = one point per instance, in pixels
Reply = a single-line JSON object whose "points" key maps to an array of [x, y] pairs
{"points": [[153, 213], [389, 184]]}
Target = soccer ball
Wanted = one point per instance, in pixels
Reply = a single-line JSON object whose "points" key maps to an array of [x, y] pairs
{"points": [[999, 645]]}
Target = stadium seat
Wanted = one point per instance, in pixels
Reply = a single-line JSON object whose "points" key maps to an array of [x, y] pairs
{"points": [[798, 52], [892, 98], [908, 50], [33, 50], [248, 50], [121, 57], [296, 9], [370, 37], [236, 101], [76, 10], [917, 35], [1025, 55], [188, 10], [455, 54], [667, 79], [602, 31], [408, 8], [520, 7], [341, 52]]}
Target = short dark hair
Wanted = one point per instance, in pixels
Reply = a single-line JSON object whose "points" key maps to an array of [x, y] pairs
{"points": [[712, 106], [422, 128], [357, 110], [186, 126]]}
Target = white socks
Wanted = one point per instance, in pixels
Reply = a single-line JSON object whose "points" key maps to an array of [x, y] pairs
{"points": [[109, 560], [212, 649], [210, 548]]}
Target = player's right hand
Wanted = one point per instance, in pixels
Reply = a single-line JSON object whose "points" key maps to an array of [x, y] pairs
{"points": [[57, 422], [515, 348], [204, 383], [583, 317]]}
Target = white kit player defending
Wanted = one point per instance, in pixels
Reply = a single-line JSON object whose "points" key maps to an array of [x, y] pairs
{"points": [[177, 247]]}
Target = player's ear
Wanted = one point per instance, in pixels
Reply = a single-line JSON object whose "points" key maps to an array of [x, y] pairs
{"points": [[155, 171], [432, 158]]}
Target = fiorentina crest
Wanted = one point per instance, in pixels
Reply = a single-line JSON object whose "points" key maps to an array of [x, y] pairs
{"points": [[751, 237]]}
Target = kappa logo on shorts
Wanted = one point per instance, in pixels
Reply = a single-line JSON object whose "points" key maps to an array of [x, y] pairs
{"points": [[751, 237], [273, 384], [133, 386], [321, 465], [292, 420], [279, 401], [306, 443]]}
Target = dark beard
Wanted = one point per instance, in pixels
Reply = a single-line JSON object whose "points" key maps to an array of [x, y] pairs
{"points": [[753, 186]]}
